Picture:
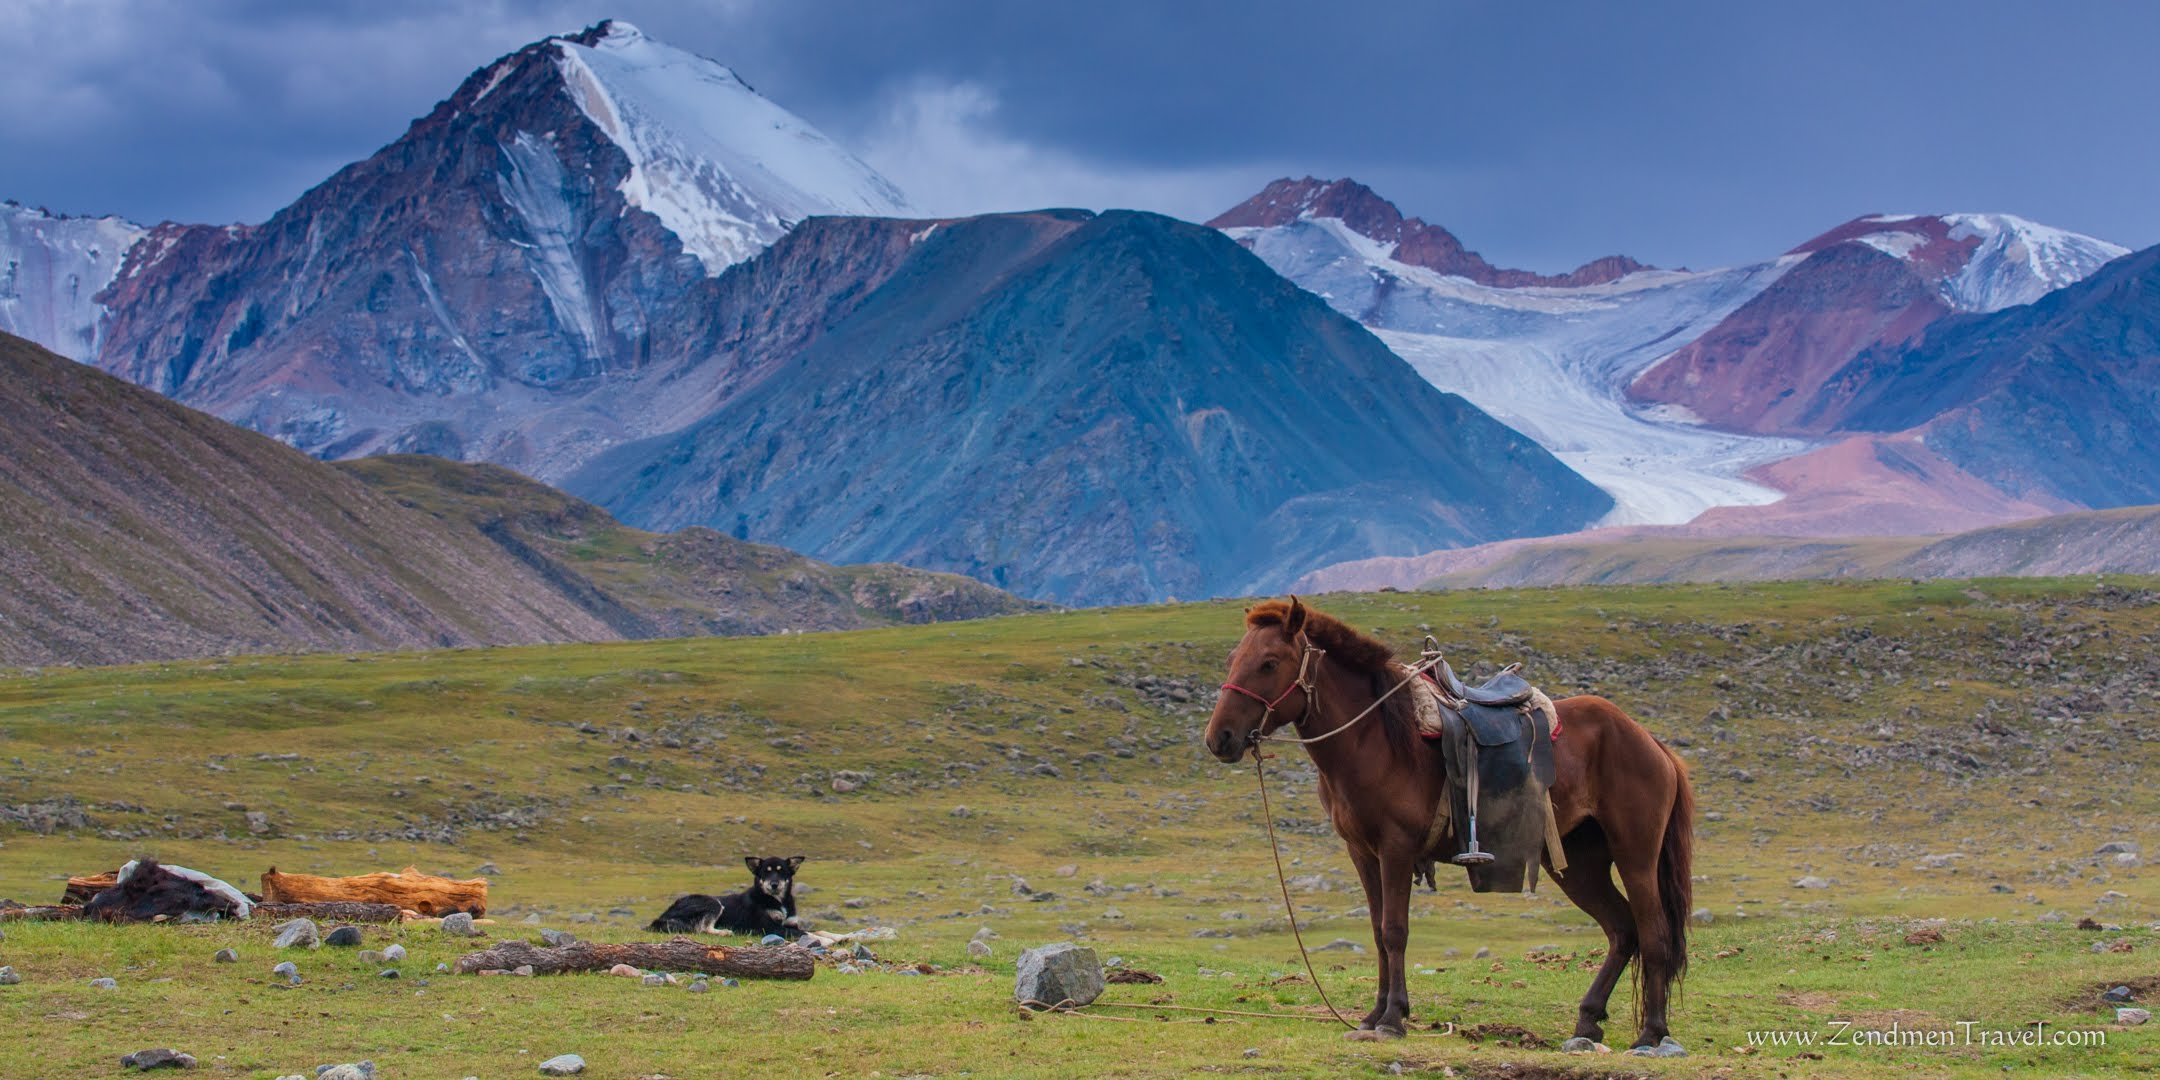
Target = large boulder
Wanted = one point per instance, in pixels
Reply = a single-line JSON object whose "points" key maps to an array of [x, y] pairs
{"points": [[1060, 973]]}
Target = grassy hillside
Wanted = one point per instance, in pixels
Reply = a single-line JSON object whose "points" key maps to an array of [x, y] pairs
{"points": [[139, 529], [1951, 751]]}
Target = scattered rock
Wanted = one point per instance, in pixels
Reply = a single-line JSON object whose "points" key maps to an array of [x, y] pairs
{"points": [[985, 934], [1058, 973], [388, 973], [1252, 1052], [298, 934], [979, 950], [2118, 847], [104, 984], [286, 969], [1579, 1045], [160, 1058], [487, 869], [1311, 883], [558, 937], [394, 953], [1341, 944], [359, 1070], [2129, 1015], [1483, 953], [657, 980], [564, 1065], [626, 971], [1808, 882], [226, 956], [1701, 917], [960, 812], [1067, 871], [9, 976], [343, 936], [523, 971], [584, 917], [2129, 860], [459, 923], [1097, 887], [2117, 995], [369, 956]]}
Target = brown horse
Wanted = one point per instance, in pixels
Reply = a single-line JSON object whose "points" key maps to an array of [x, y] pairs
{"points": [[1621, 798]]}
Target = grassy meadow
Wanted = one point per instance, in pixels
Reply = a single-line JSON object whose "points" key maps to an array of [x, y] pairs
{"points": [[1952, 751]]}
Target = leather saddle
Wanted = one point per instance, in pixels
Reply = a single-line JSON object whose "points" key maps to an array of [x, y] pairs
{"points": [[1496, 741]]}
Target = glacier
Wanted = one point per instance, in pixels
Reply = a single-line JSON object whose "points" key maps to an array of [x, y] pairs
{"points": [[1553, 362], [52, 267], [725, 169]]}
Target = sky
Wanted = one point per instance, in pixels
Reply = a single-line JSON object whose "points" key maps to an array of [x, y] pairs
{"points": [[1542, 134]]}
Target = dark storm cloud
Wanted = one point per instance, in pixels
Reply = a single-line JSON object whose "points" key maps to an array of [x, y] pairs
{"points": [[1543, 134]]}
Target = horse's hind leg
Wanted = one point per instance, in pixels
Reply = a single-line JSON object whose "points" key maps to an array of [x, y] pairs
{"points": [[1588, 882]]}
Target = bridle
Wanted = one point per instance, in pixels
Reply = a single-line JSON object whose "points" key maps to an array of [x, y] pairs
{"points": [[1304, 681], [1307, 680]]}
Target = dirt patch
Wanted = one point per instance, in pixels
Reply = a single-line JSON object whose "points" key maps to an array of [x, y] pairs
{"points": [[1811, 1000], [1132, 975], [1526, 1070], [1504, 1035], [2144, 990]]}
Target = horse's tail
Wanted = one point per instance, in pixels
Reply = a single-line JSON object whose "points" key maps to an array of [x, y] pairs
{"points": [[1676, 867]]}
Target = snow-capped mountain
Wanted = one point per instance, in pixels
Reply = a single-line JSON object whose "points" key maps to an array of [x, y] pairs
{"points": [[1550, 360], [725, 169], [51, 269], [1977, 262], [1874, 281], [505, 281]]}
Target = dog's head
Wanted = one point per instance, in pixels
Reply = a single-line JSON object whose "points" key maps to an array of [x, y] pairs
{"points": [[774, 876]]}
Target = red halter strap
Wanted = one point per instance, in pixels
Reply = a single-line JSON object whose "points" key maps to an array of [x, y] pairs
{"points": [[1302, 682]]}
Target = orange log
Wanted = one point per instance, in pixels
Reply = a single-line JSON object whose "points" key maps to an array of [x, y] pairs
{"points": [[409, 889]]}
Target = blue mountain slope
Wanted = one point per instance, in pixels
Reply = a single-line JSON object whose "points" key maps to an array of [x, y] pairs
{"points": [[1090, 409]]}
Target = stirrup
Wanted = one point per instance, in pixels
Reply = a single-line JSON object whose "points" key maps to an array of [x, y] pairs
{"points": [[1473, 856]]}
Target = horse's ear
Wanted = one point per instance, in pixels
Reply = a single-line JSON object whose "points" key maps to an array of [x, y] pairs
{"points": [[1295, 621]]}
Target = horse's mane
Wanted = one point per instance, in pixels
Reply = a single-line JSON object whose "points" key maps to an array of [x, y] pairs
{"points": [[1353, 650]]}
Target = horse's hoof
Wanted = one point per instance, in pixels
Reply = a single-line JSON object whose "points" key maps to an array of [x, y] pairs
{"points": [[1378, 1034], [1584, 1045]]}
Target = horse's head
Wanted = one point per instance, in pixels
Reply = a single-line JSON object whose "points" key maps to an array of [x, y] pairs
{"points": [[1261, 693]]}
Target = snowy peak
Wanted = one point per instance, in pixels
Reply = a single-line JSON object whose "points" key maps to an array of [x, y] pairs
{"points": [[1407, 240], [52, 268], [723, 168], [1977, 262]]}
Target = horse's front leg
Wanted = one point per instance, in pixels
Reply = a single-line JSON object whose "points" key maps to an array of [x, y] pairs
{"points": [[1397, 877], [1368, 871]]}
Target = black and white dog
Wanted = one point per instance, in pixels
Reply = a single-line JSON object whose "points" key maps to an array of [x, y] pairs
{"points": [[766, 907]]}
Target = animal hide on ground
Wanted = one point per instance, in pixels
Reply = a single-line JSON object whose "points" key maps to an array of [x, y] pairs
{"points": [[409, 889], [147, 891]]}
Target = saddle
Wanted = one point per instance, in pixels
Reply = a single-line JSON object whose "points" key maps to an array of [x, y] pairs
{"points": [[1496, 740]]}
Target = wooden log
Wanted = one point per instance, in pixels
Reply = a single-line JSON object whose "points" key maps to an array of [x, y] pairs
{"points": [[332, 911], [80, 889], [409, 888], [41, 914], [678, 954]]}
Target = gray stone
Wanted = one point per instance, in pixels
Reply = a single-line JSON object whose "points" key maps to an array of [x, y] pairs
{"points": [[388, 973], [369, 956], [2118, 847], [359, 1070], [1579, 1045], [557, 937], [979, 950], [1341, 944], [2130, 1015], [700, 987], [9, 976], [487, 869], [1058, 973], [343, 937], [394, 954], [565, 1065], [459, 923], [2117, 995], [286, 969], [584, 917], [986, 934], [298, 934], [160, 1058], [656, 980], [226, 956], [848, 969], [1483, 953], [104, 984], [1808, 882], [1701, 917], [1251, 1052]]}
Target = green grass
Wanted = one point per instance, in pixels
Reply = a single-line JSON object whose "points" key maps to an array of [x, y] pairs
{"points": [[1847, 731]]}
